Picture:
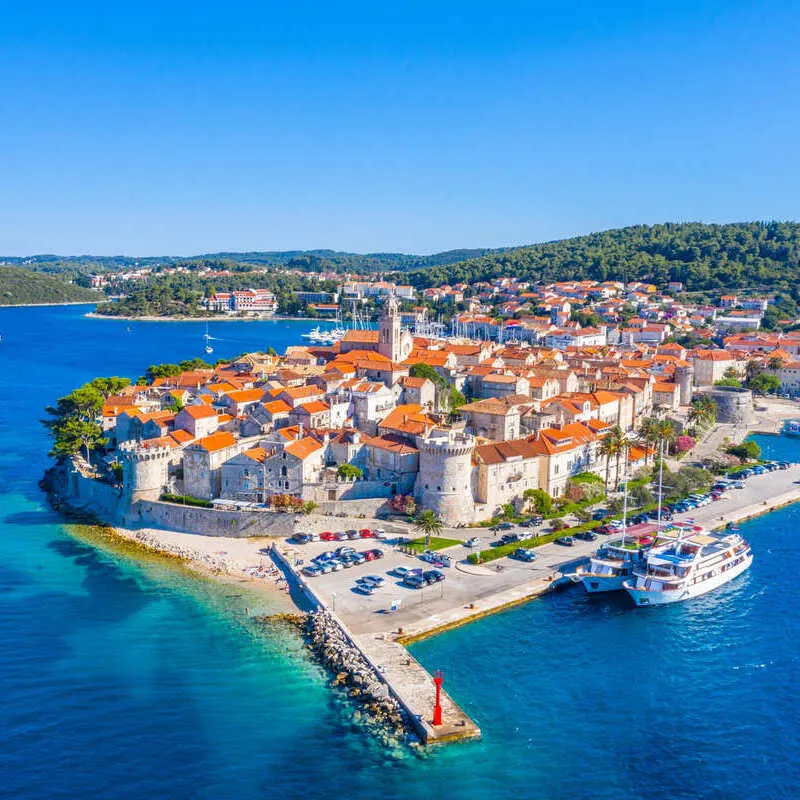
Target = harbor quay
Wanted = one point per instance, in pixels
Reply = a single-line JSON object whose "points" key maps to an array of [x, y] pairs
{"points": [[380, 625]]}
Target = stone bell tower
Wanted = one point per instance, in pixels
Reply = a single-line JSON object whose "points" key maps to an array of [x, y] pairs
{"points": [[393, 341]]}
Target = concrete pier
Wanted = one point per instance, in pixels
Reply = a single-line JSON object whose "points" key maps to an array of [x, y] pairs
{"points": [[406, 679]]}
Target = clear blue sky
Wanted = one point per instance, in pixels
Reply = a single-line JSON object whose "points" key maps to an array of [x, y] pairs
{"points": [[172, 128]]}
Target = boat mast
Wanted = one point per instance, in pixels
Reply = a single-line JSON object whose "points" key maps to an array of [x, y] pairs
{"points": [[625, 496], [660, 480]]}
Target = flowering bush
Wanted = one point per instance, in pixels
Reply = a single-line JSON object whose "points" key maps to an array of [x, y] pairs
{"points": [[683, 444], [285, 502]]}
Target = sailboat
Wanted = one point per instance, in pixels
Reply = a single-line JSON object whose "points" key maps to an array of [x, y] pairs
{"points": [[614, 562], [209, 348]]}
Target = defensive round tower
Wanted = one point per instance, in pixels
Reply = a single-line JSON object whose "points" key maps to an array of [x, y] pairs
{"points": [[684, 377], [145, 470], [444, 481]]}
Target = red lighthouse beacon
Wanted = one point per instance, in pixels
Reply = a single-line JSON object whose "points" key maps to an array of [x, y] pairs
{"points": [[438, 677]]}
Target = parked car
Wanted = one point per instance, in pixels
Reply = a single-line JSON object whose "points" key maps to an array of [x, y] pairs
{"points": [[311, 571], [325, 567], [508, 538], [365, 533], [414, 580], [433, 576], [366, 588], [327, 536], [369, 555], [302, 538], [604, 529], [587, 536], [600, 513], [401, 571], [375, 580], [566, 541], [344, 550], [473, 542], [524, 554], [375, 553], [379, 533], [326, 556]]}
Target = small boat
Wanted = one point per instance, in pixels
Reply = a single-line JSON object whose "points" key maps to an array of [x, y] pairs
{"points": [[792, 428], [208, 347]]}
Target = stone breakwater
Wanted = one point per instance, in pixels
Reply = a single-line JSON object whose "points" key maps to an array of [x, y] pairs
{"points": [[379, 710]]}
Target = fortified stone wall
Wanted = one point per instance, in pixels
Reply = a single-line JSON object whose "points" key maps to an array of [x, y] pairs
{"points": [[208, 521], [733, 405]]}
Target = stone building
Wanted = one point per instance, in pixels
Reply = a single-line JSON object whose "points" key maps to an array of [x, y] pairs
{"points": [[202, 461], [444, 481]]}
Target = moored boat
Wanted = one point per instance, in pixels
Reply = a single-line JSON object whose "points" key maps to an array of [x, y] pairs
{"points": [[689, 567]]}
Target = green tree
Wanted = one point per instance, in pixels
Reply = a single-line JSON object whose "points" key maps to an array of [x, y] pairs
{"points": [[746, 451], [349, 471], [542, 501], [764, 383], [734, 383], [429, 523]]}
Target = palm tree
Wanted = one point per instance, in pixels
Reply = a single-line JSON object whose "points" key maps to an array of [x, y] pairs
{"points": [[623, 449], [649, 432], [608, 448], [752, 368], [776, 362], [428, 523], [704, 410]]}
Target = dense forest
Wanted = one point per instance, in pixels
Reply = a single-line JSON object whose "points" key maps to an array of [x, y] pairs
{"points": [[308, 260], [180, 294], [21, 286], [702, 257]]}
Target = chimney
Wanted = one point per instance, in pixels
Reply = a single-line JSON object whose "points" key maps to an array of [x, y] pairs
{"points": [[299, 431]]}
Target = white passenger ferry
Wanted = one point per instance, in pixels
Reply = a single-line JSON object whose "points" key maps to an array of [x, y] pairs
{"points": [[688, 568], [613, 562]]}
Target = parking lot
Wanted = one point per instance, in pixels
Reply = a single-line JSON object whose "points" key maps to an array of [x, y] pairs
{"points": [[464, 583]]}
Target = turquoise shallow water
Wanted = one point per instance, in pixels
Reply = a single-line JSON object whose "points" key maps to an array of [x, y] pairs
{"points": [[122, 679]]}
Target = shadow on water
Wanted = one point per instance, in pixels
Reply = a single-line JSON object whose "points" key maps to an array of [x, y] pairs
{"points": [[31, 518]]}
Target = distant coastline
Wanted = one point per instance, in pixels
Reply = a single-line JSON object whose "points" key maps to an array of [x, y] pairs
{"points": [[62, 303], [150, 318]]}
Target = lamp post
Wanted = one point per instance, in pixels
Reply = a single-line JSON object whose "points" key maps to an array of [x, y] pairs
{"points": [[438, 677]]}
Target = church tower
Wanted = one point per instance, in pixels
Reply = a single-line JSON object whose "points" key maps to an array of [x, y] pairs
{"points": [[393, 341]]}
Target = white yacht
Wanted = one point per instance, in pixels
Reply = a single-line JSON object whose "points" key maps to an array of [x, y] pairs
{"points": [[613, 562], [688, 568]]}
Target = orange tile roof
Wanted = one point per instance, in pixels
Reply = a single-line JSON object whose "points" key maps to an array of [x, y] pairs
{"points": [[199, 412], [365, 337], [181, 436], [217, 441], [315, 407], [245, 395], [257, 454], [303, 448]]}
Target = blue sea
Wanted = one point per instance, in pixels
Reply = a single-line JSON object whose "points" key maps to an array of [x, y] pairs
{"points": [[123, 677]]}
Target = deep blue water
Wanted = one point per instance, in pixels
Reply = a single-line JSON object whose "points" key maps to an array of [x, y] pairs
{"points": [[128, 679]]}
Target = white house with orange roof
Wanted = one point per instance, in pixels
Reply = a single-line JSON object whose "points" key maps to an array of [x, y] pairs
{"points": [[199, 420]]}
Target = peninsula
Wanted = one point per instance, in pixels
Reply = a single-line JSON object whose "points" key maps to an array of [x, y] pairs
{"points": [[421, 439]]}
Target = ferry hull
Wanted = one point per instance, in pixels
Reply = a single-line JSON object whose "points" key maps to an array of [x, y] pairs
{"points": [[597, 584], [645, 597]]}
